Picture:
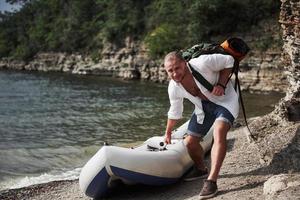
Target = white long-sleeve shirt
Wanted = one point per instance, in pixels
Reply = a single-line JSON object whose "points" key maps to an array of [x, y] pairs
{"points": [[209, 66]]}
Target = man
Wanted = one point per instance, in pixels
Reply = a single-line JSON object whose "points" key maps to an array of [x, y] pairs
{"points": [[219, 108]]}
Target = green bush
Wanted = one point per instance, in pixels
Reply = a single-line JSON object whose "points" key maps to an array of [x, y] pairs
{"points": [[23, 52], [162, 40]]}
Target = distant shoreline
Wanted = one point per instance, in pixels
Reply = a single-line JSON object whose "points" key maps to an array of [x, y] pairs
{"points": [[259, 72]]}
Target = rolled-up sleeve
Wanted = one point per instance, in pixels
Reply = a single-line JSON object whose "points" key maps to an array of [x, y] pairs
{"points": [[176, 102]]}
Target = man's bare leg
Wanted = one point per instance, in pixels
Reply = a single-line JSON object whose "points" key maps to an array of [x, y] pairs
{"points": [[195, 151], [219, 147]]}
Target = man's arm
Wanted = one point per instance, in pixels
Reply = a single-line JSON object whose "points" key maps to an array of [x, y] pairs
{"points": [[219, 88], [170, 125]]}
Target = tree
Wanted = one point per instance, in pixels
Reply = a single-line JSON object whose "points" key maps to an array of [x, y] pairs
{"points": [[85, 26]]}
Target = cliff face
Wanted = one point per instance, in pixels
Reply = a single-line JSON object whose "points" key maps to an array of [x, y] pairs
{"points": [[290, 22], [129, 62], [259, 71], [277, 135]]}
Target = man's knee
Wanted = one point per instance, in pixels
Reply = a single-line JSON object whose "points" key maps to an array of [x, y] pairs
{"points": [[220, 137], [220, 131], [192, 142], [221, 126]]}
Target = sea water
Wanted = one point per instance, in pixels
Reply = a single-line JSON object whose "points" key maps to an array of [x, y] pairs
{"points": [[52, 123]]}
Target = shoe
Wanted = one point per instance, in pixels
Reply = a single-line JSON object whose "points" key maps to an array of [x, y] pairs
{"points": [[195, 173], [209, 190]]}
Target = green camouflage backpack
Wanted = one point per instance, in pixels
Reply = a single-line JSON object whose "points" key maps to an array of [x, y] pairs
{"points": [[235, 47]]}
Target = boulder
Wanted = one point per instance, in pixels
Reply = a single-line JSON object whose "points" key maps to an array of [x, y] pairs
{"points": [[282, 186]]}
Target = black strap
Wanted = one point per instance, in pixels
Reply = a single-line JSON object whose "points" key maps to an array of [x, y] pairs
{"points": [[237, 86], [201, 79], [237, 82]]}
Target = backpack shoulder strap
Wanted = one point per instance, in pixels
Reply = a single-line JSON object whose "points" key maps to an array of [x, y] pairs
{"points": [[201, 79]]}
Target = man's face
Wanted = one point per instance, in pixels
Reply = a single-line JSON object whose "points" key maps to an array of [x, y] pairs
{"points": [[175, 69]]}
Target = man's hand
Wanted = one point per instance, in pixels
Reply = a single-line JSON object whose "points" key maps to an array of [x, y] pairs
{"points": [[168, 138], [218, 90], [170, 124]]}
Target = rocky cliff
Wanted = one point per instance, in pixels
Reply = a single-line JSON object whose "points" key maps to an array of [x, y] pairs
{"points": [[259, 71], [128, 62], [277, 135]]}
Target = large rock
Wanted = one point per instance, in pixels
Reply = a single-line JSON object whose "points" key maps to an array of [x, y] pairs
{"points": [[290, 23], [282, 186], [277, 135], [278, 142]]}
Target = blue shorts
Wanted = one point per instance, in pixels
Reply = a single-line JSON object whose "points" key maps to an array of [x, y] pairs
{"points": [[212, 112]]}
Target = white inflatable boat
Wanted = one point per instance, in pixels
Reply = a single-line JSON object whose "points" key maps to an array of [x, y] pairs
{"points": [[151, 163]]}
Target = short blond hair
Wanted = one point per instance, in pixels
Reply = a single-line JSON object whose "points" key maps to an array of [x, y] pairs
{"points": [[173, 56]]}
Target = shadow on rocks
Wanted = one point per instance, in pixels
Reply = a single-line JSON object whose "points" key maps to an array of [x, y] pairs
{"points": [[242, 188]]}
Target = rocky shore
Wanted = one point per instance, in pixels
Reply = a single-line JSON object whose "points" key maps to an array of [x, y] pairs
{"points": [[243, 176]]}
